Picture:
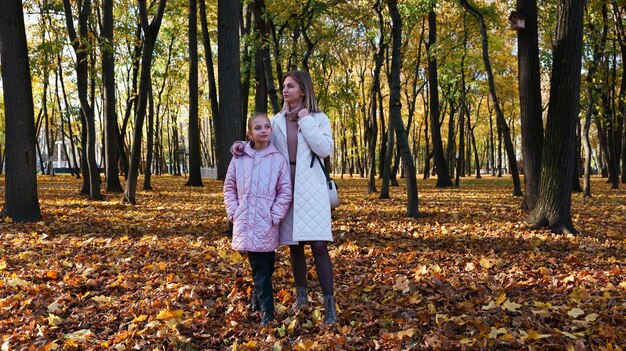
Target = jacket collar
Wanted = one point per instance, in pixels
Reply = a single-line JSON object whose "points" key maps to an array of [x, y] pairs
{"points": [[281, 123]]}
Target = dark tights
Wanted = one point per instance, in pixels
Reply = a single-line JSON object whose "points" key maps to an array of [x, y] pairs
{"points": [[323, 265]]}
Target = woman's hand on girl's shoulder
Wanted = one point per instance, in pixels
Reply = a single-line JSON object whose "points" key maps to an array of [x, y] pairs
{"points": [[237, 148]]}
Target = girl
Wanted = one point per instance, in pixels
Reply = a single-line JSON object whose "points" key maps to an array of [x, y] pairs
{"points": [[302, 134], [257, 194]]}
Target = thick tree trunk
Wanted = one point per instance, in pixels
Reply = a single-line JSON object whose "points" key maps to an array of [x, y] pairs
{"points": [[501, 121], [112, 132], [21, 202], [195, 161], [443, 175], [529, 77], [229, 83], [151, 31], [553, 206]]}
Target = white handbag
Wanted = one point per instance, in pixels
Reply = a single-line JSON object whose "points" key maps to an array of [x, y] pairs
{"points": [[333, 197]]}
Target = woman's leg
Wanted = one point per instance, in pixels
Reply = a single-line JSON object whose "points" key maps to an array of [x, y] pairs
{"points": [[298, 264], [323, 266], [298, 267]]}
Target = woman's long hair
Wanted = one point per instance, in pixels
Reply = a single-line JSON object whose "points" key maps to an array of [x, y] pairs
{"points": [[306, 84]]}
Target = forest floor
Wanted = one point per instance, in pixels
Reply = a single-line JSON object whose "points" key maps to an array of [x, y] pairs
{"points": [[160, 275]]}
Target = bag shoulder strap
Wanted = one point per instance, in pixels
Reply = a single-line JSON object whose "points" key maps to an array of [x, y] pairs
{"points": [[313, 157]]}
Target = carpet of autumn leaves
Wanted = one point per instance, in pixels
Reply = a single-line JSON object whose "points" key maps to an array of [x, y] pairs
{"points": [[468, 275]]}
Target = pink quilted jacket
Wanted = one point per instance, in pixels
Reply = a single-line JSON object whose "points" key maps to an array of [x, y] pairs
{"points": [[257, 195]]}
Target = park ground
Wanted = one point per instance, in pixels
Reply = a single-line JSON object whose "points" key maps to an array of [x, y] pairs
{"points": [[160, 275]]}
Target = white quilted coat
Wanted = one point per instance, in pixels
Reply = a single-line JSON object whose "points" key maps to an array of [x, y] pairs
{"points": [[310, 209]]}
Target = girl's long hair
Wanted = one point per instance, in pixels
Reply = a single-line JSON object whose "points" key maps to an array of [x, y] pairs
{"points": [[306, 84]]}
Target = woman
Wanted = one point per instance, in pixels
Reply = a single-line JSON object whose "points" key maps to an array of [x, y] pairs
{"points": [[301, 133]]}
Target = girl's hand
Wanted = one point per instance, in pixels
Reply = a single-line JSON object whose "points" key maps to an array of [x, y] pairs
{"points": [[237, 148], [303, 112]]}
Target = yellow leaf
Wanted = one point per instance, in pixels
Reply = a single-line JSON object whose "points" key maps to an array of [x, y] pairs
{"points": [[54, 320], [579, 294], [141, 318], [292, 325], [591, 317], [533, 335], [167, 314], [408, 333], [545, 271], [8, 219], [495, 332], [3, 265], [17, 281], [101, 299], [486, 263], [489, 306], [416, 298], [510, 306], [431, 308], [575, 312], [369, 288], [81, 336], [161, 266], [500, 299]]}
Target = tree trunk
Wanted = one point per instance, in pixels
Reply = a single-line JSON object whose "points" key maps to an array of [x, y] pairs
{"points": [[395, 112], [246, 26], [151, 31], [554, 203], [384, 188], [80, 45], [21, 202], [208, 52], [529, 77], [147, 172], [443, 175], [261, 26], [112, 132], [229, 83], [195, 161], [502, 125]]}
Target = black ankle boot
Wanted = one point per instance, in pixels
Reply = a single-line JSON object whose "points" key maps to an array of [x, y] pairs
{"points": [[302, 299], [266, 317], [330, 310]]}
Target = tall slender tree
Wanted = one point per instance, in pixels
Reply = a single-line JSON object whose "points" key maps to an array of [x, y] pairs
{"points": [[195, 177], [150, 33], [503, 126], [395, 111], [112, 132], [557, 166], [530, 101], [441, 167], [21, 202], [80, 46]]}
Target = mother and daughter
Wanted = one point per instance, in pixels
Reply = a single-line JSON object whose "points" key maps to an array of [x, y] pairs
{"points": [[275, 194]]}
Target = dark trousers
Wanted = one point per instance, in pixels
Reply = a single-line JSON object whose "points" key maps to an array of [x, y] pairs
{"points": [[262, 264]]}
